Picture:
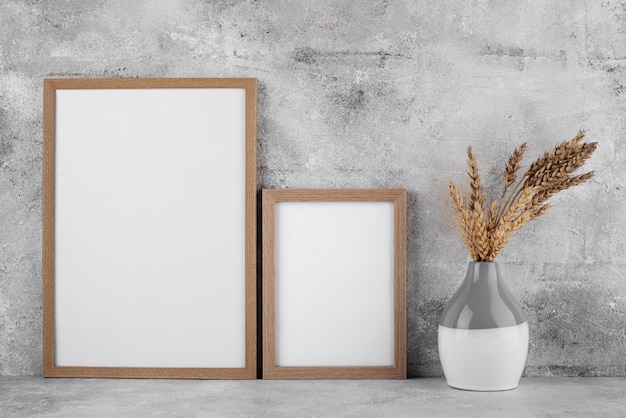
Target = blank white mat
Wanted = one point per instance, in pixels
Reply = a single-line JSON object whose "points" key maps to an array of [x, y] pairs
{"points": [[149, 227], [334, 283]]}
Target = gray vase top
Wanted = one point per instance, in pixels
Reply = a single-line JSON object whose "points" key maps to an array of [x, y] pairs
{"points": [[483, 301]]}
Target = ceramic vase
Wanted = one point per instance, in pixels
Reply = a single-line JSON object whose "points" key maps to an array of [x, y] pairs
{"points": [[483, 335]]}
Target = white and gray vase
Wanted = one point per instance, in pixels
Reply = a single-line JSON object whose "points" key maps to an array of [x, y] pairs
{"points": [[483, 335]]}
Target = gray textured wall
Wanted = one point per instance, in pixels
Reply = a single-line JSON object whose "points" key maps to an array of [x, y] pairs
{"points": [[364, 94]]}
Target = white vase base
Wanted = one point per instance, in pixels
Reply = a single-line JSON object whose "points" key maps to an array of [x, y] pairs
{"points": [[483, 359]]}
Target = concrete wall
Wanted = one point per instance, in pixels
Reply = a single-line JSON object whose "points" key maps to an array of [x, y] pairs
{"points": [[364, 94]]}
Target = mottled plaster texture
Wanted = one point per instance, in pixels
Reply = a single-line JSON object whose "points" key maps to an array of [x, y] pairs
{"points": [[375, 94]]}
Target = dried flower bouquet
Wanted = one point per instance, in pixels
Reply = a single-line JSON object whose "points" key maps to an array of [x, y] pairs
{"points": [[485, 229]]}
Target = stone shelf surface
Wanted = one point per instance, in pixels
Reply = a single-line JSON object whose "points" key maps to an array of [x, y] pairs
{"points": [[549, 397]]}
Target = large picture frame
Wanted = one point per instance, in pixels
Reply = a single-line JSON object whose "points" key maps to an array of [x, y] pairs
{"points": [[149, 228], [334, 284]]}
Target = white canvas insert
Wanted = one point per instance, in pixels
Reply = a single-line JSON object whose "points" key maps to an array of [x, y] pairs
{"points": [[334, 284], [149, 228]]}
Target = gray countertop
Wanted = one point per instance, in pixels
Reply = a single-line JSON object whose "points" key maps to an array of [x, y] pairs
{"points": [[551, 397]]}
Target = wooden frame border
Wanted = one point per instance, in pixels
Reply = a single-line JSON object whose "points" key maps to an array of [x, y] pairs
{"points": [[270, 198], [49, 117]]}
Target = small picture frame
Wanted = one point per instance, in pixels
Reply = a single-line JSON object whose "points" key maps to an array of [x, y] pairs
{"points": [[334, 284], [149, 228]]}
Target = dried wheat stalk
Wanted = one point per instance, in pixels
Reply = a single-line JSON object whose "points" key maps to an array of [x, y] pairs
{"points": [[462, 219], [485, 233]]}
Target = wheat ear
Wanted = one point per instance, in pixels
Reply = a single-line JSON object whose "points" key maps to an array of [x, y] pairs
{"points": [[462, 219]]}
